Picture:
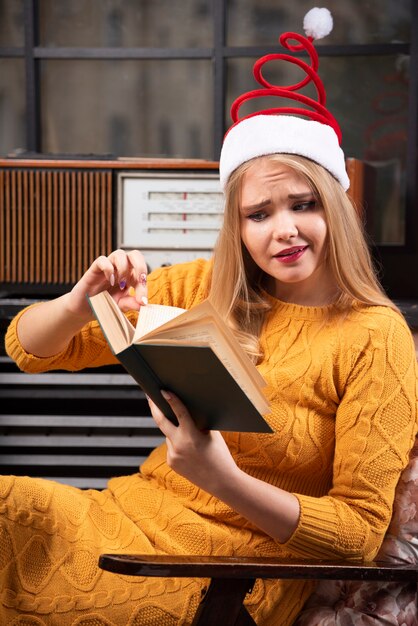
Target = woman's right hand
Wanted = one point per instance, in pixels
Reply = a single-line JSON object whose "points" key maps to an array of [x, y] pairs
{"points": [[123, 274], [46, 329]]}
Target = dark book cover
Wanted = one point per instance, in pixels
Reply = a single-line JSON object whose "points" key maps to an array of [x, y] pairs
{"points": [[196, 375]]}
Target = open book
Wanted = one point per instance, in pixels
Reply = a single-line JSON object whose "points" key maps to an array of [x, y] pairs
{"points": [[192, 353]]}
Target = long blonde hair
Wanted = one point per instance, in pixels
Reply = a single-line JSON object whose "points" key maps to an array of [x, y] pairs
{"points": [[236, 286]]}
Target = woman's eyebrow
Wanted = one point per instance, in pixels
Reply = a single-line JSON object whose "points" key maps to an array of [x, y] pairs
{"points": [[298, 196], [255, 207], [292, 196]]}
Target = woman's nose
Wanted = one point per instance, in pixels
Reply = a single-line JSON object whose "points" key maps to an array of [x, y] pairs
{"points": [[285, 226]]}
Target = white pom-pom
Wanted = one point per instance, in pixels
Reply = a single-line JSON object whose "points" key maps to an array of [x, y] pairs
{"points": [[317, 23]]}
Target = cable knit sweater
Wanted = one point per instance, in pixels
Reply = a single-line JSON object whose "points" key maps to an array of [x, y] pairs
{"points": [[344, 414]]}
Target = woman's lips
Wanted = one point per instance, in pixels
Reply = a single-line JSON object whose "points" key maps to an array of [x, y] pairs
{"points": [[290, 255]]}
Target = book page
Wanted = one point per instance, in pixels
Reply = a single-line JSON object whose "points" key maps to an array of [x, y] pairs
{"points": [[196, 313], [117, 329], [153, 316]]}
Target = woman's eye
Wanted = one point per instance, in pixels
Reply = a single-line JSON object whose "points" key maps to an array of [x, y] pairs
{"points": [[257, 217], [304, 206]]}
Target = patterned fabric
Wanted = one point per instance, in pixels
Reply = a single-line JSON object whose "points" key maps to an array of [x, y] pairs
{"points": [[51, 536], [342, 603], [343, 399]]}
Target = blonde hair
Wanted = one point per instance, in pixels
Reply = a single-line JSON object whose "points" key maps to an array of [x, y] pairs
{"points": [[236, 289]]}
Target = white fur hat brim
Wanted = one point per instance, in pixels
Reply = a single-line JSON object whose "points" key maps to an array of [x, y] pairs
{"points": [[262, 135]]}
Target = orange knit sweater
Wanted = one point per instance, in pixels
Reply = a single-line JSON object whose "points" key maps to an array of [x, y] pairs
{"points": [[344, 411]]}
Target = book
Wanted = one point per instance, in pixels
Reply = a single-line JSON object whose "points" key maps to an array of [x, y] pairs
{"points": [[192, 353]]}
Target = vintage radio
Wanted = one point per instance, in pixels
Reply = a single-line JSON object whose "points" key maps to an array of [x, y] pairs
{"points": [[57, 216]]}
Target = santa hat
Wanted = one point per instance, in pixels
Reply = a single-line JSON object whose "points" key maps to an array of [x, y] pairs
{"points": [[280, 130]]}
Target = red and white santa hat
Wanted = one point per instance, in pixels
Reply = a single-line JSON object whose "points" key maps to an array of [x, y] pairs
{"points": [[281, 130]]}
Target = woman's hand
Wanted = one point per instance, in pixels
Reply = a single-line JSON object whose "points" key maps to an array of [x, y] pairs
{"points": [[200, 456], [46, 329], [205, 460], [123, 274]]}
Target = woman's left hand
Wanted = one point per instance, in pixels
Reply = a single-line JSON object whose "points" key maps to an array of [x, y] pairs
{"points": [[205, 460], [200, 456]]}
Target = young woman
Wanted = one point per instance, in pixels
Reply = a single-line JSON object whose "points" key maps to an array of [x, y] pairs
{"points": [[292, 276]]}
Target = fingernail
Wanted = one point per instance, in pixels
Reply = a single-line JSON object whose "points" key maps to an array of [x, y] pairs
{"points": [[165, 394], [112, 280], [144, 300], [143, 279], [122, 284]]}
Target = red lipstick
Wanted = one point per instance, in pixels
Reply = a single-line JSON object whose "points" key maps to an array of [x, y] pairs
{"points": [[290, 255]]}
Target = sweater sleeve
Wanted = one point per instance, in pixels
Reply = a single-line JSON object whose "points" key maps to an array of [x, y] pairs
{"points": [[88, 348], [376, 423]]}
